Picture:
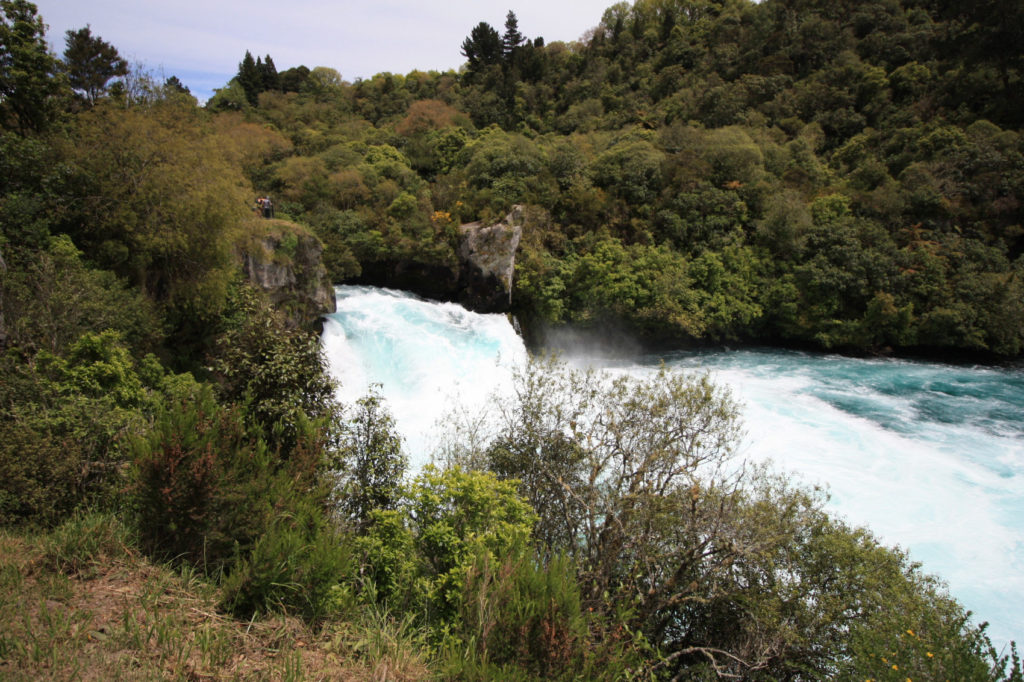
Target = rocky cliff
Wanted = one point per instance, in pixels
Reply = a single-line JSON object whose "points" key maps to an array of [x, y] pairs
{"points": [[481, 279], [284, 260], [487, 257]]}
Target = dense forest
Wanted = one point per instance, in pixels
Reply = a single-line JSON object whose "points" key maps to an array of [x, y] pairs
{"points": [[827, 175], [842, 177]]}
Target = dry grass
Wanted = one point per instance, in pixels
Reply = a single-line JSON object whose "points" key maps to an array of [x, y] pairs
{"points": [[123, 618]]}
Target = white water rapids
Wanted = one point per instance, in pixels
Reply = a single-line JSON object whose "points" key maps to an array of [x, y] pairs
{"points": [[929, 456]]}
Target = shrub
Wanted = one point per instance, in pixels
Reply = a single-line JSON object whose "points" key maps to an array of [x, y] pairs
{"points": [[298, 566], [59, 450], [204, 485]]}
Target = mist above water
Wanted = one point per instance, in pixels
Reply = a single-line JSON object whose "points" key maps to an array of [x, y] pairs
{"points": [[929, 456]]}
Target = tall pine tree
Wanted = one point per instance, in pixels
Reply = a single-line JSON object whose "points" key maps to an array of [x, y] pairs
{"points": [[512, 38], [483, 47], [91, 62], [268, 74], [250, 78], [29, 88]]}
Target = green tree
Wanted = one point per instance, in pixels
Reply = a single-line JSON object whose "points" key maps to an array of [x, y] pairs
{"points": [[250, 78], [29, 85], [277, 373], [91, 62], [174, 85], [483, 47], [64, 423], [205, 486], [293, 79], [455, 516], [512, 38], [372, 462], [51, 298], [231, 97], [160, 208], [269, 78], [631, 169], [728, 570]]}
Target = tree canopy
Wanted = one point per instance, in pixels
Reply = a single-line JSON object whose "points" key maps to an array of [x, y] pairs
{"points": [[90, 63], [29, 85]]}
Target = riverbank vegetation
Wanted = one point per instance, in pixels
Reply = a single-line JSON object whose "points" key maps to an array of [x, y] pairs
{"points": [[836, 177], [182, 496]]}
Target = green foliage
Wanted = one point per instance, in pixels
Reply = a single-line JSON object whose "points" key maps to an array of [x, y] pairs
{"points": [[60, 455], [97, 366], [205, 487], [457, 514], [277, 374], [249, 78], [483, 47], [51, 298], [631, 170], [229, 98], [30, 89], [64, 426], [299, 565], [158, 208], [647, 287], [724, 570], [90, 62], [372, 462], [389, 561], [29, 172], [418, 556]]}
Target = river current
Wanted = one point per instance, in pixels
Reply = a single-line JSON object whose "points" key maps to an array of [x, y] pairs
{"points": [[929, 456]]}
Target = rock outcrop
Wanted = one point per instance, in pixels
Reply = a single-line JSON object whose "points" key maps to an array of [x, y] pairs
{"points": [[487, 257], [481, 279], [285, 262]]}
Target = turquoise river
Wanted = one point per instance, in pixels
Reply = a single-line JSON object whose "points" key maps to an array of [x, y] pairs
{"points": [[929, 456]]}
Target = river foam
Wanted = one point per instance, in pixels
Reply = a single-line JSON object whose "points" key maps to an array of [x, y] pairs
{"points": [[929, 456]]}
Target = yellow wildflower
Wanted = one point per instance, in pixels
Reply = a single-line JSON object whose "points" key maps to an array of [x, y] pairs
{"points": [[895, 667], [911, 633]]}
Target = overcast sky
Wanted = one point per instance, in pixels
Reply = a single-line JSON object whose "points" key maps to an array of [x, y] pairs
{"points": [[202, 41]]}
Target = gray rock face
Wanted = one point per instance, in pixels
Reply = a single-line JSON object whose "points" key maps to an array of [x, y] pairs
{"points": [[290, 270], [487, 256]]}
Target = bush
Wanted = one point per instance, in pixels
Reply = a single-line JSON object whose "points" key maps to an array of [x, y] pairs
{"points": [[298, 566], [59, 450], [521, 618], [277, 374], [204, 486]]}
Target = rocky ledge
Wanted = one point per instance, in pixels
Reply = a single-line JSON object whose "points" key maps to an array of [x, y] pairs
{"points": [[487, 258], [480, 278]]}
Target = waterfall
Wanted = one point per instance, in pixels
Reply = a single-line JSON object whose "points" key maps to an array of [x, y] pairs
{"points": [[929, 456], [427, 358]]}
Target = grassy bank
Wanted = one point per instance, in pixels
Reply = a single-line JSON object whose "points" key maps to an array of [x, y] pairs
{"points": [[82, 603]]}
